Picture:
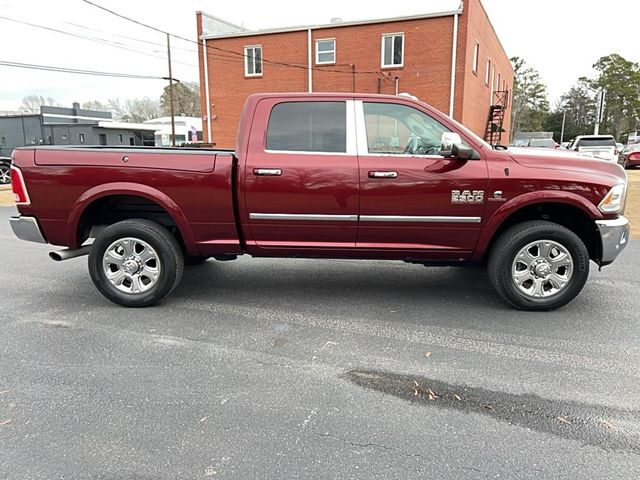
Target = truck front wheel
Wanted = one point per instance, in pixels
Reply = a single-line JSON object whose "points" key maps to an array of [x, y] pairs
{"points": [[538, 265], [135, 263]]}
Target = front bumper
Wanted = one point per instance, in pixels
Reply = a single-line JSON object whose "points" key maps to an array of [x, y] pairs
{"points": [[615, 237], [27, 228]]}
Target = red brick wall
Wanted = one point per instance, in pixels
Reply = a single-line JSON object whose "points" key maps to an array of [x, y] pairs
{"points": [[426, 72], [476, 27]]}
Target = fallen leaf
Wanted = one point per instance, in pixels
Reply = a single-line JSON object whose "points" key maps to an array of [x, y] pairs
{"points": [[456, 397], [203, 419], [488, 407], [427, 354], [416, 383], [606, 424], [4, 422], [4, 391], [564, 420], [431, 394], [415, 392]]}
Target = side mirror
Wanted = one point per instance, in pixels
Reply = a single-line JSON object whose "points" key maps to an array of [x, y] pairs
{"points": [[449, 139], [462, 152]]}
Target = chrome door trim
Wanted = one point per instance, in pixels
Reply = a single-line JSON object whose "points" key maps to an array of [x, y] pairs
{"points": [[418, 219], [267, 172], [307, 217], [383, 174]]}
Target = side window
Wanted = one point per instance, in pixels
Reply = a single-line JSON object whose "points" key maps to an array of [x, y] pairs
{"points": [[308, 127], [253, 61], [399, 129], [326, 51]]}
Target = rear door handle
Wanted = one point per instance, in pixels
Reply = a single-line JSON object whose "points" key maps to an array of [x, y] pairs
{"points": [[383, 174], [267, 172]]}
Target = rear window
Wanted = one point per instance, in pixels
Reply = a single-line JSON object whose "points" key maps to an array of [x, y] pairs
{"points": [[597, 142], [542, 142], [308, 127]]}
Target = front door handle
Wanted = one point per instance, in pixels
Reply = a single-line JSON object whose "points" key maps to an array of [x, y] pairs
{"points": [[267, 172], [383, 174]]}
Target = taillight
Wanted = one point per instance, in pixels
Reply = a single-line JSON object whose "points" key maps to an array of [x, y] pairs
{"points": [[20, 195], [634, 156]]}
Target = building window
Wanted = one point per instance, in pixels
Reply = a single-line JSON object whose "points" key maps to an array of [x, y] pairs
{"points": [[326, 51], [476, 55], [308, 127], [393, 50], [253, 61], [498, 83], [120, 138], [81, 136], [487, 73]]}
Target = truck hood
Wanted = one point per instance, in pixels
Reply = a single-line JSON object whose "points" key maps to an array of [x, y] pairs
{"points": [[567, 161]]}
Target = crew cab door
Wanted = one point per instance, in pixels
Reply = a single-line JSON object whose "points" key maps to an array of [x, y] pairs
{"points": [[412, 199], [300, 180]]}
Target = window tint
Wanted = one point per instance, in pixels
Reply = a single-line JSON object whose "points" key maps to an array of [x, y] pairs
{"points": [[397, 129], [597, 142], [308, 127]]}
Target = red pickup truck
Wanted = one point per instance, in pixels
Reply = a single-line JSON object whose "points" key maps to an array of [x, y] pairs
{"points": [[327, 176]]}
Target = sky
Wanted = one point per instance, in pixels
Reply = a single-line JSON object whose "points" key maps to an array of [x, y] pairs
{"points": [[561, 38]]}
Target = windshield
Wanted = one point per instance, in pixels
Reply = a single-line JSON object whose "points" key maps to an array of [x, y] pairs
{"points": [[542, 143]]}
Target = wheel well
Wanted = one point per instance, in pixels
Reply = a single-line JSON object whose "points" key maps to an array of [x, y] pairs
{"points": [[115, 208], [573, 218]]}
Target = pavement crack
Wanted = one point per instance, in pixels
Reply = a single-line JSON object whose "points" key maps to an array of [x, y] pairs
{"points": [[366, 445]]}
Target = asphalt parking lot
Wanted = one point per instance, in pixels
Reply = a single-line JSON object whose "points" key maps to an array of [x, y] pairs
{"points": [[314, 369]]}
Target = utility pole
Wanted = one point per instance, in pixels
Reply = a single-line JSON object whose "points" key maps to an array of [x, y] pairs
{"points": [[564, 118], [173, 119], [599, 111]]}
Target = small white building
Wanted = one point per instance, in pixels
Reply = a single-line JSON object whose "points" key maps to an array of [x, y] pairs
{"points": [[188, 129]]}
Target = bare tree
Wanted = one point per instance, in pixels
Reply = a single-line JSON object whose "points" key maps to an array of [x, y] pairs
{"points": [[135, 110], [32, 103]]}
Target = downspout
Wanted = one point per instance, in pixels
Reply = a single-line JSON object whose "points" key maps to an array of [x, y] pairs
{"points": [[205, 60], [397, 85], [309, 62], [454, 59]]}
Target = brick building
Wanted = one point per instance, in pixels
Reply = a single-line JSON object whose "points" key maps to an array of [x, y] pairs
{"points": [[415, 55]]}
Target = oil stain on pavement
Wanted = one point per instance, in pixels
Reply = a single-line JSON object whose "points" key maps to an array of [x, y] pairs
{"points": [[607, 428]]}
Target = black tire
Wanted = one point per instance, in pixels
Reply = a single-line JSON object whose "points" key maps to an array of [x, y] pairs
{"points": [[161, 241], [512, 241], [194, 259]]}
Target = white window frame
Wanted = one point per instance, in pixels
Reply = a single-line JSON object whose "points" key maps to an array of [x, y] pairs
{"points": [[476, 57], [487, 74], [246, 61], [332, 62], [386, 35]]}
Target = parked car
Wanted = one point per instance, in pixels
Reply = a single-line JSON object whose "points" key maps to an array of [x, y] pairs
{"points": [[598, 146], [630, 156], [327, 176], [542, 143], [5, 170]]}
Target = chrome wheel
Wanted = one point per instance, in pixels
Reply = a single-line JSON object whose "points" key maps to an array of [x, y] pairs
{"points": [[542, 269], [131, 265], [5, 174]]}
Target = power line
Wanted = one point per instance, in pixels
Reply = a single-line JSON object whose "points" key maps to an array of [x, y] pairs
{"points": [[51, 68], [91, 39], [284, 64]]}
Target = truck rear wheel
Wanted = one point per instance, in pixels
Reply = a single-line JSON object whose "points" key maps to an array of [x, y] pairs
{"points": [[135, 263], [538, 265]]}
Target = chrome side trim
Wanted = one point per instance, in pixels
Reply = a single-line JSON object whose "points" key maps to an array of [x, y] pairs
{"points": [[26, 228], [418, 219], [303, 217]]}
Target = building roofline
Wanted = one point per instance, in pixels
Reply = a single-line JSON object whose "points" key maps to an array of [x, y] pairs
{"points": [[300, 28], [221, 20], [20, 115]]}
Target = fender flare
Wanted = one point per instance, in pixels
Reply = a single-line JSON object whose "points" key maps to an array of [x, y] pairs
{"points": [[133, 189], [526, 200]]}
